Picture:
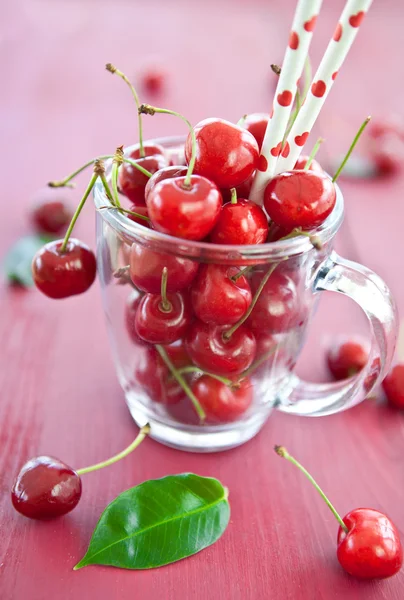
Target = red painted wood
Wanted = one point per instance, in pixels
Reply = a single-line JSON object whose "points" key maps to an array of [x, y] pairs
{"points": [[59, 393]]}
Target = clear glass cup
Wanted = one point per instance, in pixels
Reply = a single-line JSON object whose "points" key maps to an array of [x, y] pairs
{"points": [[278, 325]]}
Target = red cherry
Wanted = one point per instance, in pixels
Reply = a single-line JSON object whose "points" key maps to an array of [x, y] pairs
{"points": [[226, 153], [242, 190], [302, 161], [158, 324], [393, 386], [166, 173], [153, 80], [45, 488], [216, 298], [387, 153], [371, 549], [140, 210], [51, 212], [380, 128], [60, 275], [185, 212], [209, 350], [130, 318], [256, 123], [146, 269], [149, 148], [132, 183], [154, 376], [223, 404], [278, 307], [346, 358], [299, 199], [242, 223]]}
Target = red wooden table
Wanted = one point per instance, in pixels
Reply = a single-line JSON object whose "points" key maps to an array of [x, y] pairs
{"points": [[59, 393]]}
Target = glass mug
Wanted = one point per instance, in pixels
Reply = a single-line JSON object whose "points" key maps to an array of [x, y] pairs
{"points": [[277, 324]]}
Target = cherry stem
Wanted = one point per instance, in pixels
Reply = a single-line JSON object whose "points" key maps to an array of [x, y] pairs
{"points": [[78, 211], [192, 369], [165, 305], [257, 363], [227, 334], [233, 196], [151, 110], [166, 359], [126, 211], [242, 272], [113, 69], [107, 188], [281, 451], [276, 69], [298, 231], [241, 121], [351, 148], [66, 181], [313, 153], [139, 439], [116, 163]]}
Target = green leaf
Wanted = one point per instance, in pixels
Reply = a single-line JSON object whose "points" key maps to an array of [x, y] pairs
{"points": [[18, 260], [159, 522]]}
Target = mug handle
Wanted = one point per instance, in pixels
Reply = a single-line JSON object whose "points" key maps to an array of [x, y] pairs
{"points": [[371, 293]]}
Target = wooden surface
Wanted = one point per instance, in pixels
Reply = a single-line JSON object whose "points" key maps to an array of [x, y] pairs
{"points": [[59, 393]]}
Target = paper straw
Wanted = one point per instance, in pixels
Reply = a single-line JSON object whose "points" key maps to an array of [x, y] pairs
{"points": [[337, 50], [296, 52]]}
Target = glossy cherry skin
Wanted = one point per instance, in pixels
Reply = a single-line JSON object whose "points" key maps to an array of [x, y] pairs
{"points": [[61, 275], [158, 326], [222, 403], [146, 269], [140, 210], [51, 212], [256, 123], [393, 386], [226, 153], [216, 298], [132, 182], [209, 350], [45, 488], [278, 307], [372, 548], [299, 199], [166, 173], [154, 376], [130, 319], [242, 223], [243, 190], [301, 163], [346, 358], [185, 212]]}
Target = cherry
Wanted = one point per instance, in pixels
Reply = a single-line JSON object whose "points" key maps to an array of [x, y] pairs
{"points": [[154, 376], [153, 80], [223, 403], [278, 307], [45, 488], [379, 128], [369, 545], [61, 274], [242, 190], [184, 211], [51, 212], [166, 173], [132, 182], [226, 153], [149, 149], [146, 269], [210, 351], [387, 153], [393, 386], [299, 199], [241, 223], [140, 210], [163, 318], [371, 549], [130, 318], [346, 358], [301, 163], [217, 298], [256, 123]]}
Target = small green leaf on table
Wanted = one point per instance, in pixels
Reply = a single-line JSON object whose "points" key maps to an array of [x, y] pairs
{"points": [[18, 260], [159, 522]]}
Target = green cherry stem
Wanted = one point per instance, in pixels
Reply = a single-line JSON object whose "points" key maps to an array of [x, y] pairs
{"points": [[242, 272], [116, 163], [281, 451], [113, 69], [136, 442], [351, 148], [147, 109], [125, 211], [165, 305], [192, 369], [233, 196], [313, 153], [174, 372], [257, 364], [241, 121]]}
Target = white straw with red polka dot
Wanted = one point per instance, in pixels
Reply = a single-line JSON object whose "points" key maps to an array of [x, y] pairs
{"points": [[296, 53], [337, 50]]}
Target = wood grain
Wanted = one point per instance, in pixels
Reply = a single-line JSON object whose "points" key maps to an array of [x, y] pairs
{"points": [[59, 394]]}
